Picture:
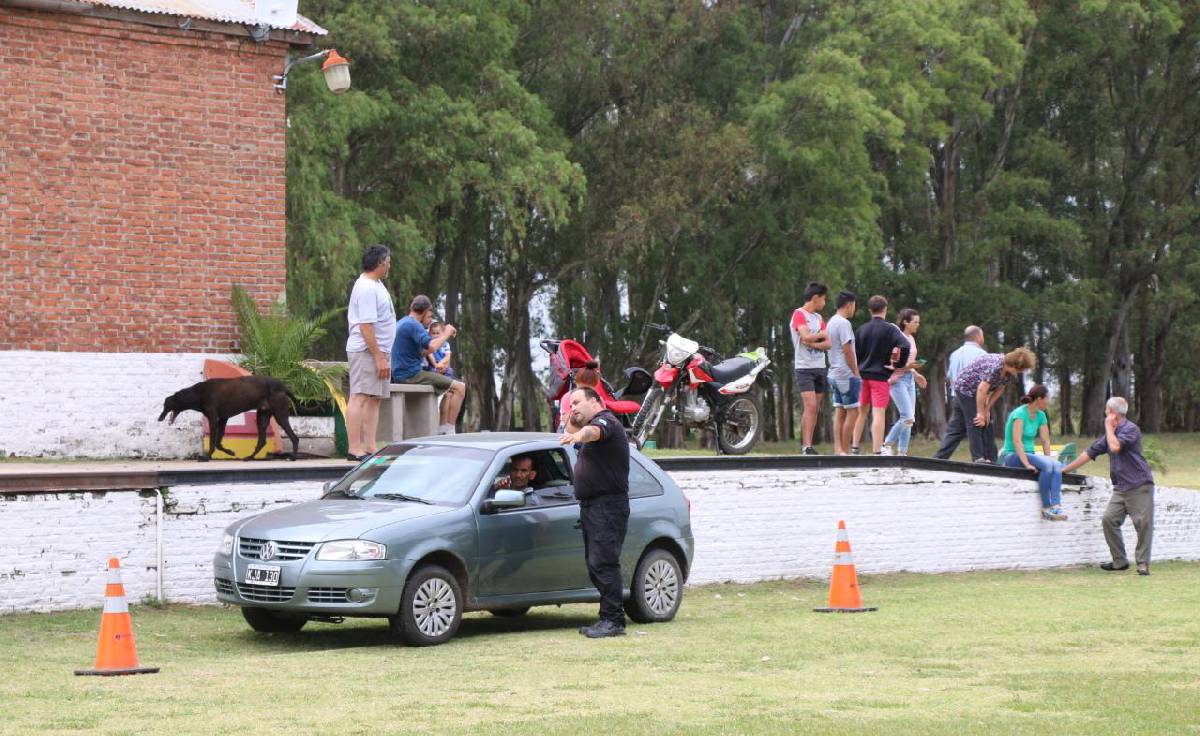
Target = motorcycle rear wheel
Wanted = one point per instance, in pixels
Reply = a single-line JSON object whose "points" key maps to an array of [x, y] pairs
{"points": [[738, 423]]}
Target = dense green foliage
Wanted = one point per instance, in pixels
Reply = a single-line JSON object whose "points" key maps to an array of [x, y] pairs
{"points": [[278, 344], [1031, 167]]}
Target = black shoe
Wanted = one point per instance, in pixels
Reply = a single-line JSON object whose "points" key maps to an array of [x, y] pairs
{"points": [[1143, 569], [809, 451], [603, 628], [1114, 568], [355, 458]]}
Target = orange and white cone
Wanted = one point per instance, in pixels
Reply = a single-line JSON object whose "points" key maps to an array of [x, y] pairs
{"points": [[116, 653], [844, 595]]}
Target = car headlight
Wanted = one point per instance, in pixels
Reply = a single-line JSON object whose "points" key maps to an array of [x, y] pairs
{"points": [[226, 544], [352, 549]]}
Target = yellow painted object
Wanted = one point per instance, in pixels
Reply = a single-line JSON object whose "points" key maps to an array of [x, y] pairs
{"points": [[337, 396], [241, 444]]}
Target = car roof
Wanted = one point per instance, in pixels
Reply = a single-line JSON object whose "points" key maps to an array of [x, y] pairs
{"points": [[494, 441]]}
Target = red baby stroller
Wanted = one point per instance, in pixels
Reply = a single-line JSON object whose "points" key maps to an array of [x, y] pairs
{"points": [[567, 357]]}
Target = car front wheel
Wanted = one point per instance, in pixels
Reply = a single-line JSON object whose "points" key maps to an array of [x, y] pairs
{"points": [[260, 619], [657, 588], [430, 609]]}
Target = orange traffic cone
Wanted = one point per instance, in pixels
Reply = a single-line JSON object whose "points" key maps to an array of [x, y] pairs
{"points": [[844, 596], [116, 653]]}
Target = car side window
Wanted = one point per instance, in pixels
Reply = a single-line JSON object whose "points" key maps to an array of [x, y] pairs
{"points": [[641, 482], [549, 484]]}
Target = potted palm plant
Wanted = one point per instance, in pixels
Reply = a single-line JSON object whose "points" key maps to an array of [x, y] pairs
{"points": [[278, 344]]}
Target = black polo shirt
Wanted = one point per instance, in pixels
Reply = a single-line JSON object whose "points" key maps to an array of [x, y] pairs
{"points": [[602, 468]]}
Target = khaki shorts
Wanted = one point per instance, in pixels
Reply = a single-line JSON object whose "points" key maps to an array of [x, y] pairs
{"points": [[440, 382], [364, 377]]}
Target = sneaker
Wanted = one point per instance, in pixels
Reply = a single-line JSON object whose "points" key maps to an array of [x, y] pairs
{"points": [[982, 461], [855, 450], [886, 451], [809, 451], [1053, 515], [603, 629]]}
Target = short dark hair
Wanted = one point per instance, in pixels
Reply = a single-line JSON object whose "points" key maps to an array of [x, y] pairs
{"points": [[373, 256], [846, 297], [590, 392], [420, 304], [518, 458], [876, 304], [815, 289]]}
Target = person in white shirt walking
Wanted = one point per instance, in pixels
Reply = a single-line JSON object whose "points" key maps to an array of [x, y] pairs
{"points": [[372, 321], [956, 427]]}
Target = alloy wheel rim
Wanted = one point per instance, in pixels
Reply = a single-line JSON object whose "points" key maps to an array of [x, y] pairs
{"points": [[434, 607], [661, 588]]}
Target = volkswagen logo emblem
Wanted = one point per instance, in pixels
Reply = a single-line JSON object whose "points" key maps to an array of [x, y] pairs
{"points": [[267, 551]]}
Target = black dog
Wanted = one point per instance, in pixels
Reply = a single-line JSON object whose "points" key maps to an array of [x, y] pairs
{"points": [[218, 399]]}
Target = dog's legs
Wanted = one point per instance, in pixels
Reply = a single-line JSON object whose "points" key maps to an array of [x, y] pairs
{"points": [[219, 435], [263, 419], [279, 407]]}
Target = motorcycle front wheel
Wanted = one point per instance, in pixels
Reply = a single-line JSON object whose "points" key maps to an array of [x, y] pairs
{"points": [[647, 417], [738, 423]]}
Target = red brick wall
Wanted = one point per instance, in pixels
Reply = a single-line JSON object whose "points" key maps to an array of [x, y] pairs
{"points": [[141, 175]]}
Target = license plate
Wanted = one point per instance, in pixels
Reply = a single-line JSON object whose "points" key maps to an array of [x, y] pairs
{"points": [[263, 575]]}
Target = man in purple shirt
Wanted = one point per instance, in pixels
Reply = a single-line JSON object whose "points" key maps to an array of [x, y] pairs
{"points": [[1133, 486]]}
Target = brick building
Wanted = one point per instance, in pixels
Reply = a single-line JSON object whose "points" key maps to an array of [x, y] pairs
{"points": [[143, 169]]}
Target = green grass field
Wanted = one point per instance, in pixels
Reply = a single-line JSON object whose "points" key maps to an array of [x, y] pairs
{"points": [[1178, 453], [1075, 651]]}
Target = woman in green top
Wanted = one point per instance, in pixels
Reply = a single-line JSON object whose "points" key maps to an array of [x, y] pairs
{"points": [[1025, 424]]}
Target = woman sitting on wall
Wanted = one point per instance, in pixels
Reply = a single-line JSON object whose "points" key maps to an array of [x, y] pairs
{"points": [[1025, 424]]}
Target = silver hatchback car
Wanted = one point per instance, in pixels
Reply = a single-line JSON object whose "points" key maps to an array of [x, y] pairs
{"points": [[424, 530]]}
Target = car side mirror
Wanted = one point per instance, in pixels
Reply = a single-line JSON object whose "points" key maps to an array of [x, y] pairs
{"points": [[505, 499]]}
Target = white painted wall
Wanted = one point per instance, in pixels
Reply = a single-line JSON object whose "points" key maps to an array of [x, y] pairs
{"points": [[106, 405], [748, 526]]}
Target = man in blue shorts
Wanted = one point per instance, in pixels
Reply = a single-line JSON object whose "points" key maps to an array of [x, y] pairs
{"points": [[844, 381]]}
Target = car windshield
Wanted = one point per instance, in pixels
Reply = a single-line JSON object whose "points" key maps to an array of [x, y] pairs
{"points": [[440, 474]]}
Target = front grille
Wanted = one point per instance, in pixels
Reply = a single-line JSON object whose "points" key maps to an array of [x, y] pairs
{"points": [[252, 549], [224, 587], [264, 593], [327, 595]]}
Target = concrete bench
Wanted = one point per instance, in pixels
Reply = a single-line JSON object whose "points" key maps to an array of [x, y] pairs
{"points": [[410, 411]]}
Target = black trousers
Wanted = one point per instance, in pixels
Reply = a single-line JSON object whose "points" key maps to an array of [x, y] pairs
{"points": [[962, 424], [604, 521]]}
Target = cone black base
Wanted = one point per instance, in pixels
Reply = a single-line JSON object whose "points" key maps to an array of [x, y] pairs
{"points": [[113, 673], [846, 610]]}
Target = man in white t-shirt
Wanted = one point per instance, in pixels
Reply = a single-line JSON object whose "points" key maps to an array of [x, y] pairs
{"points": [[844, 381], [372, 321], [811, 341]]}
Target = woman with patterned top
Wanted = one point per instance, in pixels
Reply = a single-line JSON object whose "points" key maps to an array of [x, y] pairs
{"points": [[979, 387]]}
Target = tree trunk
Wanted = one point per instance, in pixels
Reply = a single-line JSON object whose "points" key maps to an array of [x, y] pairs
{"points": [[1066, 425]]}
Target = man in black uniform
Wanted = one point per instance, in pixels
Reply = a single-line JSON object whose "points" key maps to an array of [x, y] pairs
{"points": [[602, 487]]}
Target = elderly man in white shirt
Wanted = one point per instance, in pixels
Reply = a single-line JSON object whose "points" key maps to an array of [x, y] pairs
{"points": [[956, 427]]}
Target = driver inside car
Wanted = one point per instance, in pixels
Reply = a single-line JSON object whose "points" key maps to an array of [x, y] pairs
{"points": [[522, 476]]}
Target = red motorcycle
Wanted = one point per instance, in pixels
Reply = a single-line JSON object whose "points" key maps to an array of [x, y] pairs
{"points": [[695, 388]]}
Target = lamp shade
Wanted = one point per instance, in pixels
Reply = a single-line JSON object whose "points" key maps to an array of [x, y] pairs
{"points": [[337, 72]]}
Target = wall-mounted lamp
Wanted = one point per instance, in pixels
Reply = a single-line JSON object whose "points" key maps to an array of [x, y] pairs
{"points": [[336, 69]]}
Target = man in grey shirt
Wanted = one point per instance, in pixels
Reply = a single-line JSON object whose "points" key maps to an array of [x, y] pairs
{"points": [[1133, 486], [372, 321], [844, 381]]}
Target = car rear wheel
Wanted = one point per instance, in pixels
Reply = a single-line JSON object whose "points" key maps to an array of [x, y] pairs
{"points": [[657, 588], [430, 609], [273, 622], [508, 612]]}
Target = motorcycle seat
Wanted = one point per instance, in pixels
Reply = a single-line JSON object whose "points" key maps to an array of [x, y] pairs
{"points": [[732, 369]]}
